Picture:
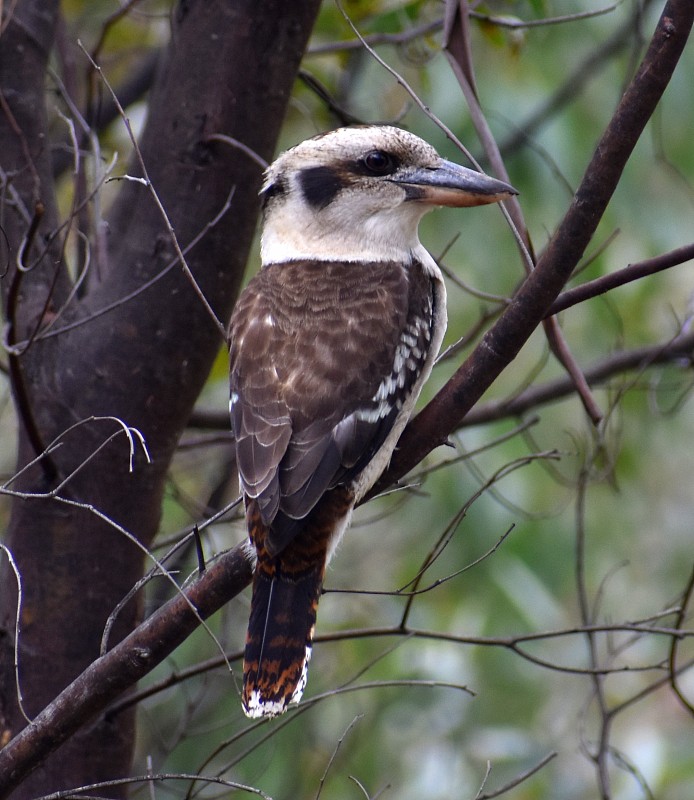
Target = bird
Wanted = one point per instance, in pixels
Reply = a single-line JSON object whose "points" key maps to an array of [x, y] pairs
{"points": [[330, 344]]}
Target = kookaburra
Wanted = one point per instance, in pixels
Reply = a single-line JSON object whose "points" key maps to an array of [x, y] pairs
{"points": [[330, 345]]}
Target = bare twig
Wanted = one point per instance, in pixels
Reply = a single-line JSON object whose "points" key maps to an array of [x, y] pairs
{"points": [[49, 331], [520, 24], [677, 349], [632, 272], [333, 755], [375, 39], [599, 757], [672, 657], [17, 618], [518, 779], [87, 790], [244, 148]]}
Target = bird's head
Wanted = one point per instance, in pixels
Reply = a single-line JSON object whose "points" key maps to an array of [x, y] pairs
{"points": [[359, 194]]}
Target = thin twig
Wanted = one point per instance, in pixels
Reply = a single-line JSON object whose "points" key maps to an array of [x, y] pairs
{"points": [[632, 272], [518, 779], [672, 656], [600, 755], [81, 791], [17, 618], [333, 755]]}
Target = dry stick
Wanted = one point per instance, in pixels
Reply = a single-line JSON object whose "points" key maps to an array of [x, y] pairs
{"points": [[110, 21], [599, 756], [518, 779], [521, 24], [89, 790], [49, 331], [428, 28], [459, 51], [107, 677], [502, 342], [672, 658]]}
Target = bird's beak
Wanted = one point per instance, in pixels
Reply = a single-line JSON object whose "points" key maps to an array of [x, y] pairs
{"points": [[449, 184]]}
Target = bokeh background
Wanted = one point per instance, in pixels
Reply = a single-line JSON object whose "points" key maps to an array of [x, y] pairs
{"points": [[542, 630]]}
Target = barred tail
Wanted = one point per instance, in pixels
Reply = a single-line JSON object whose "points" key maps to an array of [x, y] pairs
{"points": [[286, 588], [280, 632]]}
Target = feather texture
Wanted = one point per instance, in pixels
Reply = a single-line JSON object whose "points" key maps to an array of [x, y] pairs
{"points": [[286, 590], [330, 345], [322, 357]]}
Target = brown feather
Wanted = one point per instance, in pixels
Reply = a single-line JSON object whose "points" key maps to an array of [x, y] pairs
{"points": [[286, 591], [311, 343]]}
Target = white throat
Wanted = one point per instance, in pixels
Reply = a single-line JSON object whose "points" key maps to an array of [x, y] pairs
{"points": [[342, 232]]}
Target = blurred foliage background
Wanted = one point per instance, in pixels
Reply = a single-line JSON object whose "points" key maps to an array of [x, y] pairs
{"points": [[542, 526]]}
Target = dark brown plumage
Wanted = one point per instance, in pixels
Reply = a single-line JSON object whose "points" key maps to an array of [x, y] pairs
{"points": [[330, 344], [309, 411]]}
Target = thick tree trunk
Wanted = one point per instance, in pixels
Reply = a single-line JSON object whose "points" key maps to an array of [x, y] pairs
{"points": [[229, 69]]}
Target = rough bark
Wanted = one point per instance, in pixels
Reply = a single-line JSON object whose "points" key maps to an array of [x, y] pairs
{"points": [[145, 361]]}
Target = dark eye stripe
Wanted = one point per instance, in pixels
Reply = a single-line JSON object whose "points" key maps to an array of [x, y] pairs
{"points": [[320, 185]]}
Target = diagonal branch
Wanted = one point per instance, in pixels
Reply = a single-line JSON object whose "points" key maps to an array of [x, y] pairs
{"points": [[107, 677], [640, 358], [528, 308], [632, 272], [459, 50]]}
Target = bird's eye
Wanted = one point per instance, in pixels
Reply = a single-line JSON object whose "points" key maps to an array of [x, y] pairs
{"points": [[378, 162]]}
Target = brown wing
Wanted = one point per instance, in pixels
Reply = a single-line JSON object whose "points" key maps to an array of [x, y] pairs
{"points": [[322, 357]]}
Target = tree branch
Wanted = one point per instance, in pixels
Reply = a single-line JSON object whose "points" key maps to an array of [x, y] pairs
{"points": [[616, 364], [530, 305], [632, 272], [107, 677]]}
